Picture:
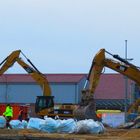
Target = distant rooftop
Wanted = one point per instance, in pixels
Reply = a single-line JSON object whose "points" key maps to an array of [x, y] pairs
{"points": [[70, 78]]}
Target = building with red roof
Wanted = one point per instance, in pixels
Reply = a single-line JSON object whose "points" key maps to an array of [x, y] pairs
{"points": [[22, 88], [66, 88]]}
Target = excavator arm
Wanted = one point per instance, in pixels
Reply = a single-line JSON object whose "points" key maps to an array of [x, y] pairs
{"points": [[9, 61], [122, 66], [37, 76], [44, 104], [87, 107]]}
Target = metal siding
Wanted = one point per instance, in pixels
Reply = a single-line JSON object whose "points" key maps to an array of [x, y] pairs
{"points": [[3, 93], [76, 93], [17, 93], [63, 93], [26, 93], [80, 88]]}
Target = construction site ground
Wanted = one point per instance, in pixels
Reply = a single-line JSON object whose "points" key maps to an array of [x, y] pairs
{"points": [[110, 134]]}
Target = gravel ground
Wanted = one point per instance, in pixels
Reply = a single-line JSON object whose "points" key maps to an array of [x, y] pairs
{"points": [[110, 134]]}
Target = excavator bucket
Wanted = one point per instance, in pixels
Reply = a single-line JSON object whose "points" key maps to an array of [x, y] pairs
{"points": [[87, 108], [86, 112]]}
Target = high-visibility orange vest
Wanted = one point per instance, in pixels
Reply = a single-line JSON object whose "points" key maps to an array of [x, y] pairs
{"points": [[99, 115]]}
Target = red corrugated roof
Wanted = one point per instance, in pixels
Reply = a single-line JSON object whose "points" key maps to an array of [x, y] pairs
{"points": [[112, 86], [72, 78]]}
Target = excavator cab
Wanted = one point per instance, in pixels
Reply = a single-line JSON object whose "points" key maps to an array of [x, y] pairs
{"points": [[44, 105]]}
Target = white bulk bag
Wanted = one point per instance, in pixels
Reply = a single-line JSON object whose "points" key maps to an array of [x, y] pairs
{"points": [[2, 122]]}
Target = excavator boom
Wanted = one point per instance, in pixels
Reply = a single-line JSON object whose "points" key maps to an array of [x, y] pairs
{"points": [[44, 104], [87, 107], [9, 61]]}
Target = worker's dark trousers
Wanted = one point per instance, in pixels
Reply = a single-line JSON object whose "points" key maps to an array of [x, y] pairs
{"points": [[8, 119]]}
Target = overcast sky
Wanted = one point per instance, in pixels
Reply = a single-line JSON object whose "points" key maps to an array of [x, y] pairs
{"points": [[62, 36]]}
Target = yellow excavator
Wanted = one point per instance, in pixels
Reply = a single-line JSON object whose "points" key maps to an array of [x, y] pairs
{"points": [[44, 104], [87, 107]]}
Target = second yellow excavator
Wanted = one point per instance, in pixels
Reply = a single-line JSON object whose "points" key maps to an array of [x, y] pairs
{"points": [[87, 108], [44, 105]]}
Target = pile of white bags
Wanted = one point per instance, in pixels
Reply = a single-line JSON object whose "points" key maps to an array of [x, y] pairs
{"points": [[66, 126], [16, 124], [50, 125], [89, 126], [2, 122], [34, 123]]}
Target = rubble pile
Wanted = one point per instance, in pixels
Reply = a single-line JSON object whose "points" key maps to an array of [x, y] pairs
{"points": [[131, 124]]}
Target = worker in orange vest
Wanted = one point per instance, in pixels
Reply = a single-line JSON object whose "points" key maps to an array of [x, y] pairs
{"points": [[99, 115]]}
